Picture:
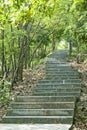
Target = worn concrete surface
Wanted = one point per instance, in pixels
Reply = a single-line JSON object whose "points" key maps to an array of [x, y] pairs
{"points": [[34, 127]]}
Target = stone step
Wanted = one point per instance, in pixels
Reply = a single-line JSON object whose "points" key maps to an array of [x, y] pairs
{"points": [[55, 88], [66, 80], [61, 70], [45, 90], [58, 85], [55, 93], [57, 64], [53, 99], [60, 81], [42, 105], [40, 112], [61, 55], [54, 62], [68, 68], [45, 98], [61, 77], [61, 59], [57, 60], [58, 55], [62, 73], [60, 67], [38, 119], [35, 126]]}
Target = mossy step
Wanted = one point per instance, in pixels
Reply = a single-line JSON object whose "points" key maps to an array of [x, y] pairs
{"points": [[40, 112], [38, 119], [42, 105], [45, 98]]}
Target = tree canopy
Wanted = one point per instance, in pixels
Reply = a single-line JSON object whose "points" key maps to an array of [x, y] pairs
{"points": [[31, 29]]}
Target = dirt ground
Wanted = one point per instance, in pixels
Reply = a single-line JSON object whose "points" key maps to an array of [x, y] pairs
{"points": [[80, 118]]}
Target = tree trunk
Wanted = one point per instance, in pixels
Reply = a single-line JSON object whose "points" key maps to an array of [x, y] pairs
{"points": [[70, 48], [19, 70], [53, 43], [3, 59], [20, 63], [3, 56], [77, 52]]}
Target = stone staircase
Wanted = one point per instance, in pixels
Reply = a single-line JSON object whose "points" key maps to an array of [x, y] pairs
{"points": [[53, 99]]}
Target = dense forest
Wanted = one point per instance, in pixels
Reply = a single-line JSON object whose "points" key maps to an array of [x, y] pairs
{"points": [[31, 29]]}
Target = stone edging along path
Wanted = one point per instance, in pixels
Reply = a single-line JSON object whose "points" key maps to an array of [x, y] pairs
{"points": [[53, 99]]}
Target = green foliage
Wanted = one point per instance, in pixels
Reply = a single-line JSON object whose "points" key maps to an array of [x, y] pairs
{"points": [[31, 28], [85, 61], [5, 92]]}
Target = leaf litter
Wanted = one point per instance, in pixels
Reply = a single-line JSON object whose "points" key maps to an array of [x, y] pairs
{"points": [[24, 88], [80, 118]]}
